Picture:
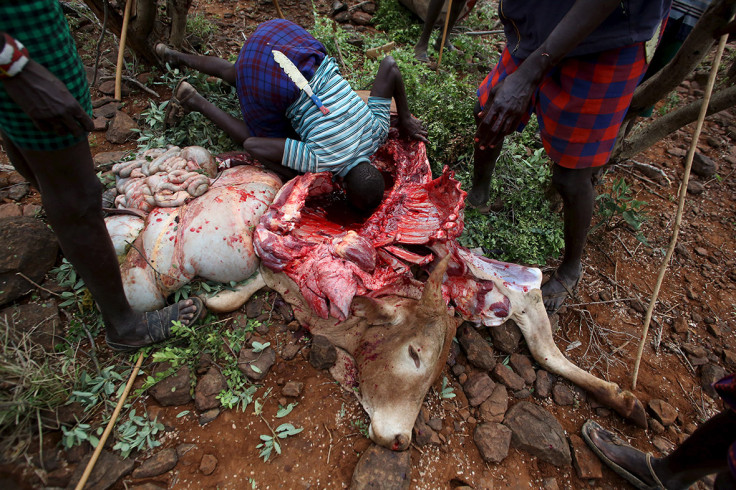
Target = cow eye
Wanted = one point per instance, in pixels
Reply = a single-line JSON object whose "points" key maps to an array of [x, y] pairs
{"points": [[415, 356]]}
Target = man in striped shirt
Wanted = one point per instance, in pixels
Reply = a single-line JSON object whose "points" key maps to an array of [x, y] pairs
{"points": [[282, 126]]}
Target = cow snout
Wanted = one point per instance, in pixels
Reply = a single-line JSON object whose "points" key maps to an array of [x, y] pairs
{"points": [[401, 442]]}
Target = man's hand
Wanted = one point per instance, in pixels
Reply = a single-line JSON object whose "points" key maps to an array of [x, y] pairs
{"points": [[46, 100], [507, 104], [413, 128]]}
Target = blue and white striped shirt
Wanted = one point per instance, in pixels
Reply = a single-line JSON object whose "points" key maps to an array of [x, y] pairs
{"points": [[350, 134]]}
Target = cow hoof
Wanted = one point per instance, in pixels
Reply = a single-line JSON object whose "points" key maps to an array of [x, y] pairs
{"points": [[636, 413]]}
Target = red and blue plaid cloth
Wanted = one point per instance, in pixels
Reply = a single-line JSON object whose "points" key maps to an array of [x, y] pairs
{"points": [[264, 90], [581, 103], [726, 387]]}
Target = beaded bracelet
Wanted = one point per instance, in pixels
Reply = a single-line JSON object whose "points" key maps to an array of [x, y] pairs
{"points": [[13, 57]]}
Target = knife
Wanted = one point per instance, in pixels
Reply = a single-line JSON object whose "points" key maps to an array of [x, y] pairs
{"points": [[296, 76]]}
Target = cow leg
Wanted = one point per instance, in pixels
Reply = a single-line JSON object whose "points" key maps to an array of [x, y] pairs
{"points": [[232, 299], [531, 317]]}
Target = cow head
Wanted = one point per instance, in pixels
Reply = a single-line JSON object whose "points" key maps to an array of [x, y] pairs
{"points": [[393, 348], [400, 354]]}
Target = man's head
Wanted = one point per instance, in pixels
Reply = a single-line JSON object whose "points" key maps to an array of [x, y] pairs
{"points": [[364, 186]]}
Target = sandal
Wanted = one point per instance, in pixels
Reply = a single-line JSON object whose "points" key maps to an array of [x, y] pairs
{"points": [[590, 426], [562, 295], [158, 323], [175, 111]]}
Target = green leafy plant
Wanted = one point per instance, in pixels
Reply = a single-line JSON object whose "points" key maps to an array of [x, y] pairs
{"points": [[447, 391], [271, 441], [526, 229], [618, 206], [137, 432]]}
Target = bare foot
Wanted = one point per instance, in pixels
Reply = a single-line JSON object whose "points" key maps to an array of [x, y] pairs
{"points": [[559, 286]]}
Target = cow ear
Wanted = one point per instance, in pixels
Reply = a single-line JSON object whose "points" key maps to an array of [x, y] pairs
{"points": [[432, 295], [375, 311]]}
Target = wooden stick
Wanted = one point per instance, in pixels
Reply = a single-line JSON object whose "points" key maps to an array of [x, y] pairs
{"points": [[110, 425], [444, 34], [278, 8], [680, 204], [121, 51]]}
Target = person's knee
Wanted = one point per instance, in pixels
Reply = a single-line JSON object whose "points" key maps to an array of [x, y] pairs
{"points": [[76, 205], [572, 183]]}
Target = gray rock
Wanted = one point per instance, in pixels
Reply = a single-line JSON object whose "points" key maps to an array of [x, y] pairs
{"points": [[506, 337], [504, 374], [476, 348], [338, 7], [494, 408], [562, 395], [543, 384], [19, 191], [254, 307], [478, 388], [586, 463], [208, 387], [292, 389], [290, 351], [695, 187], [342, 17], [422, 432], [174, 390], [523, 367], [208, 464], [209, 415], [493, 441], [10, 210], [709, 374], [704, 166], [538, 432], [382, 468], [323, 354], [157, 464], [121, 129], [108, 157], [108, 470], [361, 18], [255, 365], [108, 110], [29, 247], [40, 322]]}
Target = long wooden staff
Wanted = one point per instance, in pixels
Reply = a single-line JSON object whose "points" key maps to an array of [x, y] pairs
{"points": [[680, 204], [444, 33], [121, 51], [110, 425], [278, 8]]}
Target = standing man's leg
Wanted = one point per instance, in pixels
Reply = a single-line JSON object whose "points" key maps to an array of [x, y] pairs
{"points": [[433, 12], [578, 196], [211, 65], [71, 195], [484, 162]]}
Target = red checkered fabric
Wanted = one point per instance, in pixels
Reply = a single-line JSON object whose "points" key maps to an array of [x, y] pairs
{"points": [[581, 103]]}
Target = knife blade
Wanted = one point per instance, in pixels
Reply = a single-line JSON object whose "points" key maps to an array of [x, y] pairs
{"points": [[296, 76]]}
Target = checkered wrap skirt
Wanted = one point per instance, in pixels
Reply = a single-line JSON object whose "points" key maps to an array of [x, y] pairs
{"points": [[581, 103], [264, 90], [41, 26]]}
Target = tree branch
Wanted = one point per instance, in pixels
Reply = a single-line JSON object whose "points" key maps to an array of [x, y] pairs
{"points": [[647, 136]]}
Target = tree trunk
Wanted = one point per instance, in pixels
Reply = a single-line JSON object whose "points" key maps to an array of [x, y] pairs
{"points": [[177, 10], [647, 136], [140, 27]]}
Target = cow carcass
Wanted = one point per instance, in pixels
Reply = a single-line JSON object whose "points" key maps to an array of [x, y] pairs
{"points": [[361, 281]]}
